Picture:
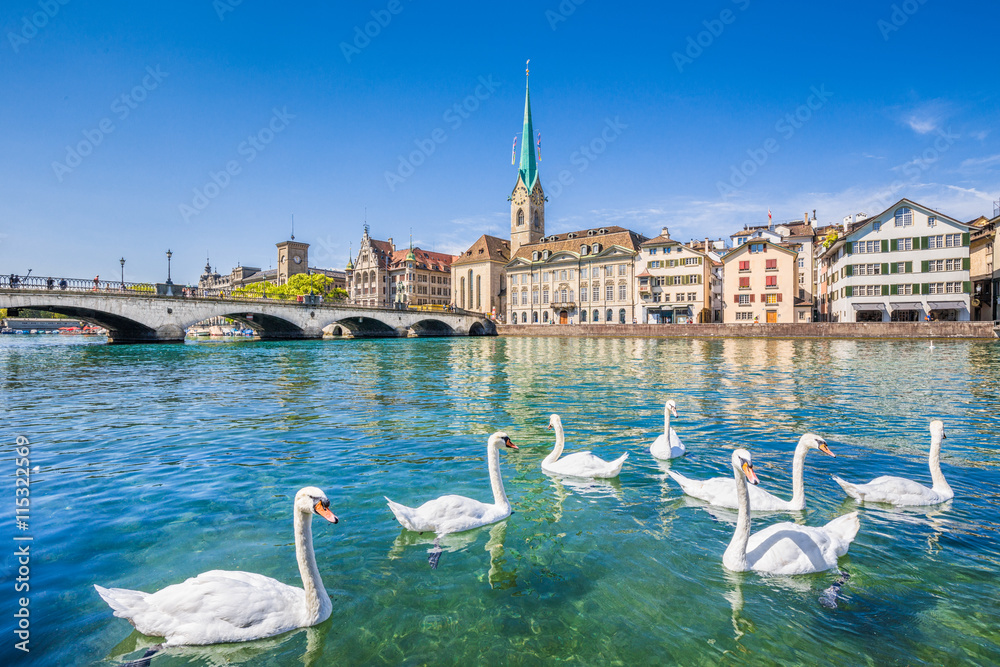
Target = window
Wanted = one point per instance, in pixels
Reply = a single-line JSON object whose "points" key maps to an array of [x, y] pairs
{"points": [[744, 299], [936, 288], [935, 265], [904, 290], [867, 290], [771, 298], [524, 317], [520, 218], [583, 294], [597, 293], [931, 221], [953, 265], [654, 265], [571, 296], [900, 267], [583, 316], [666, 298], [609, 316], [867, 247], [904, 217], [545, 317], [623, 269], [771, 281], [745, 282], [867, 269], [595, 272], [609, 271], [952, 240], [545, 296], [571, 274], [744, 315], [652, 251], [596, 316], [680, 296], [534, 296], [563, 294], [562, 275], [622, 292], [771, 264], [802, 262], [524, 298], [757, 247], [689, 261], [621, 316], [692, 296], [876, 227], [953, 288], [905, 244], [935, 241], [745, 266], [609, 292]]}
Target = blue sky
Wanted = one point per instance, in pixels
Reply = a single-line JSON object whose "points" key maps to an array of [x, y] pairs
{"points": [[207, 125]]}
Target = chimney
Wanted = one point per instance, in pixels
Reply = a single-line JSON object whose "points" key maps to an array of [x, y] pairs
{"points": [[392, 245], [847, 222], [665, 232], [814, 223], [706, 245], [805, 218]]}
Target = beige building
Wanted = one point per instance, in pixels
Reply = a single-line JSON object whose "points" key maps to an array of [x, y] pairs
{"points": [[479, 276], [674, 282], [293, 255], [575, 278], [760, 284], [984, 270], [385, 277]]}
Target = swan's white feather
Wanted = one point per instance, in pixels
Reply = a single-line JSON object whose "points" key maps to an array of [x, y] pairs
{"points": [[585, 464], [893, 490], [661, 449], [721, 492], [447, 514], [790, 548]]}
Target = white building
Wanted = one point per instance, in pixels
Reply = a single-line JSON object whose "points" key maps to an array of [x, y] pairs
{"points": [[907, 264]]}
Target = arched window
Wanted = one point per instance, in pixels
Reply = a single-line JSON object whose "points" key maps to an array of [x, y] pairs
{"points": [[534, 256], [545, 316], [904, 217], [524, 318], [621, 316], [520, 218], [534, 218], [534, 318], [583, 316], [584, 248], [470, 289], [461, 293], [609, 316], [596, 248], [596, 317], [479, 285], [563, 295]]}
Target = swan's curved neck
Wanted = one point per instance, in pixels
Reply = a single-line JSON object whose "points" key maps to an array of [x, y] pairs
{"points": [[499, 496], [798, 500], [934, 460], [735, 557], [318, 605], [666, 422], [560, 443]]}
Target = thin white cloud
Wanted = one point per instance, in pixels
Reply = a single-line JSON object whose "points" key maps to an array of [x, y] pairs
{"points": [[988, 161]]}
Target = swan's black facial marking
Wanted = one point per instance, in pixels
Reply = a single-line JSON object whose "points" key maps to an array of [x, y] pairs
{"points": [[747, 468], [321, 506], [509, 443], [823, 447]]}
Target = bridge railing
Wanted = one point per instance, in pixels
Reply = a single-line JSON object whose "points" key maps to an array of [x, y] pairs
{"points": [[120, 288]]}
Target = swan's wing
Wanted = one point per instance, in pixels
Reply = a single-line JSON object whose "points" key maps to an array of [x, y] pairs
{"points": [[667, 448], [452, 514], [894, 490], [217, 606], [788, 548], [585, 464], [675, 442], [718, 491]]}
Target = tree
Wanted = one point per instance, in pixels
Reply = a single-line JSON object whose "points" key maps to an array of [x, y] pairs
{"points": [[299, 284]]}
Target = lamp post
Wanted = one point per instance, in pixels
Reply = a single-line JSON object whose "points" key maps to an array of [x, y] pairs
{"points": [[122, 262], [170, 289]]}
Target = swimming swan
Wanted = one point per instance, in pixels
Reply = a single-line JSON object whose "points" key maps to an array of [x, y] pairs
{"points": [[579, 464], [667, 445], [453, 514], [220, 606], [721, 491], [901, 491], [783, 548]]}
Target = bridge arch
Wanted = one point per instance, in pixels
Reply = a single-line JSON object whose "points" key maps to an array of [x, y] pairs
{"points": [[120, 329], [366, 327], [432, 327]]}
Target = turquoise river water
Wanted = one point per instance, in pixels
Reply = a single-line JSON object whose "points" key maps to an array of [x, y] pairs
{"points": [[155, 463]]}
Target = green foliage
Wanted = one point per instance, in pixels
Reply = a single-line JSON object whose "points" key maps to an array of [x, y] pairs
{"points": [[298, 284], [830, 239]]}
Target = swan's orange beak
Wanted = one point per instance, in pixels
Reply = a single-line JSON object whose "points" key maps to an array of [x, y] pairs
{"points": [[325, 512], [826, 450], [510, 443], [748, 471]]}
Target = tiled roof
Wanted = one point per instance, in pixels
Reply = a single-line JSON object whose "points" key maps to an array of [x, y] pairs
{"points": [[486, 248], [430, 261], [571, 241]]}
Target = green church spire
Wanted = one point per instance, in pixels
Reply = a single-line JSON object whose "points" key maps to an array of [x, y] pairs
{"points": [[528, 169]]}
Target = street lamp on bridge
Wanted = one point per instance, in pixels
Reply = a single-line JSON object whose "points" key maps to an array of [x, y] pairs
{"points": [[122, 262], [170, 289]]}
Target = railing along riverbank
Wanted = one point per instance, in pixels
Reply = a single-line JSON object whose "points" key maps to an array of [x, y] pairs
{"points": [[966, 330]]}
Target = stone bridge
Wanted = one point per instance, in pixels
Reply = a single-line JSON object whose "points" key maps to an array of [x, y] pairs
{"points": [[151, 318]]}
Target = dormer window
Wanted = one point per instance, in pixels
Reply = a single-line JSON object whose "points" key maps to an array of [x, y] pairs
{"points": [[596, 248], [534, 256], [545, 254], [584, 248]]}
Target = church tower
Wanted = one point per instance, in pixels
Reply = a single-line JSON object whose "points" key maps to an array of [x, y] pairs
{"points": [[527, 201]]}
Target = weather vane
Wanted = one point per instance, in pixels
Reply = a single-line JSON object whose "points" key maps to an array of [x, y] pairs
{"points": [[526, 70]]}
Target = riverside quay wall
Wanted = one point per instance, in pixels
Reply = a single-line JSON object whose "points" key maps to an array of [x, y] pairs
{"points": [[981, 330]]}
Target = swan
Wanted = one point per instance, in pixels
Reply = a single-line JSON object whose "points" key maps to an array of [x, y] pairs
{"points": [[721, 491], [667, 445], [220, 606], [901, 491], [783, 548], [579, 464], [454, 514]]}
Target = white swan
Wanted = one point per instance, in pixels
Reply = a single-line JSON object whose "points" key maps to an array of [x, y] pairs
{"points": [[901, 491], [667, 445], [579, 464], [721, 491], [783, 548], [220, 606], [453, 514]]}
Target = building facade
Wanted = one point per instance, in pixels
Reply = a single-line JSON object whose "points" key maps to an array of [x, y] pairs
{"points": [[760, 285], [479, 276], [984, 269], [385, 277], [909, 263], [675, 283]]}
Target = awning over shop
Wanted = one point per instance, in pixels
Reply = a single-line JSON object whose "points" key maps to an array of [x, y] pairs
{"points": [[946, 305], [869, 306], [906, 306]]}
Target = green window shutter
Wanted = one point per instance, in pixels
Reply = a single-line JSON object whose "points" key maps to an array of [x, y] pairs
{"points": [[885, 245], [925, 288], [848, 247], [893, 268], [916, 242], [894, 289], [699, 261], [850, 269], [848, 291], [909, 267], [885, 290], [965, 239], [967, 287], [925, 243], [885, 269], [965, 263], [894, 245], [924, 266], [916, 288]]}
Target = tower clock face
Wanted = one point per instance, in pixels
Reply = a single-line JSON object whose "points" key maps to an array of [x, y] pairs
{"points": [[519, 197], [536, 199], [297, 259]]}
